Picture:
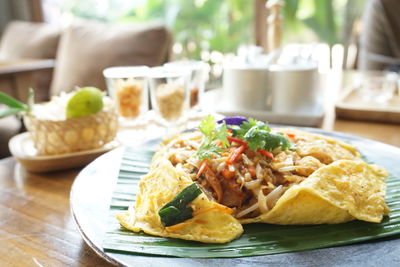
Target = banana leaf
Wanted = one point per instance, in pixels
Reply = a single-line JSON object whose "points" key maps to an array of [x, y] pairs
{"points": [[257, 239]]}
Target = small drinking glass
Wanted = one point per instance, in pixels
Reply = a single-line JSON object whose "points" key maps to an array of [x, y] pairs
{"points": [[198, 78], [169, 94], [128, 86], [375, 86]]}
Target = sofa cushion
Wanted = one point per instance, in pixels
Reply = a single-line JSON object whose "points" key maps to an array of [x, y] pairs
{"points": [[22, 40], [87, 49]]}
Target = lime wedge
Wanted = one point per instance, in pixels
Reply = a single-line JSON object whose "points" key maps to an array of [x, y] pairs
{"points": [[86, 101]]}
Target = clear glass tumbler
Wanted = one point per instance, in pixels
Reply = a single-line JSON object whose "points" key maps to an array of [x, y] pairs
{"points": [[128, 86], [198, 78], [376, 86], [169, 94]]}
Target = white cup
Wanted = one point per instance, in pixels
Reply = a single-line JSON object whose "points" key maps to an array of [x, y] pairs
{"points": [[294, 88], [282, 89], [246, 88]]}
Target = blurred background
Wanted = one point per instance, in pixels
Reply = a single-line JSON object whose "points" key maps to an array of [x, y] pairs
{"points": [[289, 61], [213, 30]]}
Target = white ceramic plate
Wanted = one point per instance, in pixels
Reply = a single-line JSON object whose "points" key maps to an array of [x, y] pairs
{"points": [[23, 149]]}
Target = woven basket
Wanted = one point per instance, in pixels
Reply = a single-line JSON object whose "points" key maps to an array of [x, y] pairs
{"points": [[75, 134]]}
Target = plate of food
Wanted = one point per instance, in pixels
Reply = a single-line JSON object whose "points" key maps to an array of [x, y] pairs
{"points": [[237, 188]]}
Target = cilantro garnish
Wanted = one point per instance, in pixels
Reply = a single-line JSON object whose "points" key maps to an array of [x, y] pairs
{"points": [[212, 133], [258, 136], [256, 133], [207, 151]]}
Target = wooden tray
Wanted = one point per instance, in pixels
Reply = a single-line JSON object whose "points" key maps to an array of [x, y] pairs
{"points": [[351, 106]]}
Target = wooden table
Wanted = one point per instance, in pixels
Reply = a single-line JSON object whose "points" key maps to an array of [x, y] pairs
{"points": [[36, 226]]}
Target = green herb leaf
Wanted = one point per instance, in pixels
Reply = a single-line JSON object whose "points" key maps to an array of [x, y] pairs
{"points": [[14, 106], [258, 136], [207, 151], [221, 133], [275, 140], [11, 102], [211, 133], [246, 126], [207, 126], [256, 133]]}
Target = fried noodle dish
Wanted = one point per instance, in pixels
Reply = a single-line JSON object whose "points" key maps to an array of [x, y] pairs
{"points": [[204, 184]]}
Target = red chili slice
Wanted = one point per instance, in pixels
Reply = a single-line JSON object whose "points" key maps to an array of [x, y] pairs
{"points": [[237, 140], [235, 154], [290, 135], [266, 153]]}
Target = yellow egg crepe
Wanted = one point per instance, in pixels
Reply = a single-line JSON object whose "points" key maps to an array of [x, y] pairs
{"points": [[342, 191], [161, 185], [255, 174]]}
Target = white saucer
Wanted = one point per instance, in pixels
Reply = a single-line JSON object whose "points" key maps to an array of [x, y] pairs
{"points": [[23, 149]]}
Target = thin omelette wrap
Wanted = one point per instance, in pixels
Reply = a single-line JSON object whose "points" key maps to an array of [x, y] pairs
{"points": [[276, 176], [210, 222]]}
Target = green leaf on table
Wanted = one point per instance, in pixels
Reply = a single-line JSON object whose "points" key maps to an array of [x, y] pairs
{"points": [[13, 106], [257, 239], [11, 102]]}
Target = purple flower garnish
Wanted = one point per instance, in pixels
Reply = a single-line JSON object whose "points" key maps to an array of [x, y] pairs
{"points": [[233, 120]]}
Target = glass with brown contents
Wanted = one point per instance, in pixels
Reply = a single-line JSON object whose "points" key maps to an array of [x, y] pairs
{"points": [[198, 77], [128, 86], [169, 94]]}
